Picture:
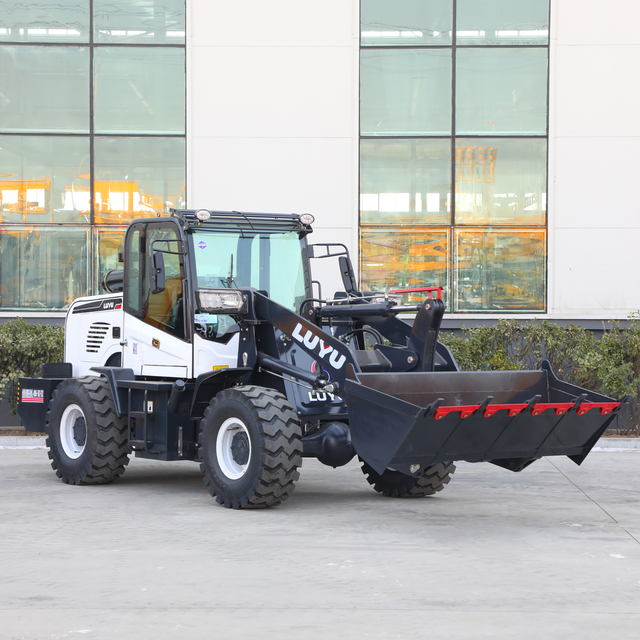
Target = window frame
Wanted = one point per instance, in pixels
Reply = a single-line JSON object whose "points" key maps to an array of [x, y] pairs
{"points": [[454, 137], [90, 44]]}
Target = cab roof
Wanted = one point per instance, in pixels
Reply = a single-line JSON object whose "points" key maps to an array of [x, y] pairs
{"points": [[234, 221]]}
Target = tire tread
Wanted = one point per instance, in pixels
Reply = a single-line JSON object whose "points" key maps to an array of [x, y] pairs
{"points": [[111, 454], [394, 484], [281, 448]]}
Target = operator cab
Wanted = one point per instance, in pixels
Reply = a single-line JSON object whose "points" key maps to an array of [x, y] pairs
{"points": [[170, 261]]}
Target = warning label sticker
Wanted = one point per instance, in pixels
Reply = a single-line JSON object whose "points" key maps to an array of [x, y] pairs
{"points": [[32, 395]]}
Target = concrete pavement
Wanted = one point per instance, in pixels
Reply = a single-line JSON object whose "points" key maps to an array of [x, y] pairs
{"points": [[552, 552]]}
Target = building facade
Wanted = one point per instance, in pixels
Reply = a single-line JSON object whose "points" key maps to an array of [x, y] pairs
{"points": [[487, 146]]}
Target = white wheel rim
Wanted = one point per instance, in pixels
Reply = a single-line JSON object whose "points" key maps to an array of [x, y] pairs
{"points": [[229, 429], [68, 434]]}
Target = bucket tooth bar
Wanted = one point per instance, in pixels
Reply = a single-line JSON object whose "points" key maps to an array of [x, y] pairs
{"points": [[514, 409]]}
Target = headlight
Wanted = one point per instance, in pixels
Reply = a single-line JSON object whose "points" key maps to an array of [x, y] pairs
{"points": [[203, 214], [221, 301], [307, 218]]}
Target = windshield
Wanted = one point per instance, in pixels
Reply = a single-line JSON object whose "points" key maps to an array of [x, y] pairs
{"points": [[269, 262]]}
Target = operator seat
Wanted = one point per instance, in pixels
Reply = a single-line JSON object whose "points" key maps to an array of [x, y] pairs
{"points": [[163, 309]]}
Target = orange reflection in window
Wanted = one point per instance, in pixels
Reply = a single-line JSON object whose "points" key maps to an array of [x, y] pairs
{"points": [[393, 259], [500, 270], [24, 197], [120, 201]]}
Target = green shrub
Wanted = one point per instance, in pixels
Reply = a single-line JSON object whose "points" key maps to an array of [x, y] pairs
{"points": [[24, 348], [609, 365]]}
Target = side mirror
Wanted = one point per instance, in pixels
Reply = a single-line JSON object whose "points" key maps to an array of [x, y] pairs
{"points": [[158, 279], [348, 276]]}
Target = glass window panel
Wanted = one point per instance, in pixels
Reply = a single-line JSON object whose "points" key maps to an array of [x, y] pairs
{"points": [[108, 242], [392, 259], [133, 272], [405, 182], [139, 21], [44, 21], [405, 92], [500, 270], [44, 179], [137, 177], [43, 267], [406, 22], [501, 91], [44, 89], [502, 22], [501, 181], [163, 309], [139, 89]]}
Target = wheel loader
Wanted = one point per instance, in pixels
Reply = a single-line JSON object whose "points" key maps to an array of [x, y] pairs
{"points": [[213, 344]]}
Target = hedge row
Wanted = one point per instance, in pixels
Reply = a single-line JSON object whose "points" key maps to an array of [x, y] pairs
{"points": [[609, 364], [24, 348]]}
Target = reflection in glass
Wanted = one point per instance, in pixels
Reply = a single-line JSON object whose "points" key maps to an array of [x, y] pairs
{"points": [[405, 181], [44, 21], [501, 91], [406, 22], [139, 21], [43, 267], [44, 179], [391, 259], [501, 181], [270, 262], [139, 89], [137, 177], [502, 22], [108, 242], [44, 89], [405, 92], [498, 270], [133, 272]]}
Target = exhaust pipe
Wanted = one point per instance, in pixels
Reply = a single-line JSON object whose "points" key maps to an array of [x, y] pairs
{"points": [[174, 399]]}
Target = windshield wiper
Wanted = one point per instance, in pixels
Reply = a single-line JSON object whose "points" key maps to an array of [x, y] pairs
{"points": [[228, 281]]}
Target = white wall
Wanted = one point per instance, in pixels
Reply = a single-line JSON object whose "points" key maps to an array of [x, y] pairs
{"points": [[273, 110], [594, 159]]}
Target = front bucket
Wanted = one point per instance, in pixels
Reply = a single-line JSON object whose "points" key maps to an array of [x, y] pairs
{"points": [[510, 418]]}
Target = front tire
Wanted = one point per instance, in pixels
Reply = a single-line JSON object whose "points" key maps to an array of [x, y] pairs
{"points": [[86, 439], [251, 444], [394, 484]]}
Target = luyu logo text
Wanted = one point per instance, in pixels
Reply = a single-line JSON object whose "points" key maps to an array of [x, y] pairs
{"points": [[312, 341]]}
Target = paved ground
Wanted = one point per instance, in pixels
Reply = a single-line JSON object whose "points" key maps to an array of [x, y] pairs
{"points": [[553, 552]]}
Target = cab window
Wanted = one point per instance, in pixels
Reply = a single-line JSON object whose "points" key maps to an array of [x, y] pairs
{"points": [[165, 309], [133, 270]]}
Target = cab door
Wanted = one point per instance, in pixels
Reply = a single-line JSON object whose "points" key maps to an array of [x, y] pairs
{"points": [[156, 341]]}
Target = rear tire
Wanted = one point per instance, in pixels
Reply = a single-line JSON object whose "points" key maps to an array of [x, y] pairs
{"points": [[251, 444], [394, 484], [86, 439]]}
